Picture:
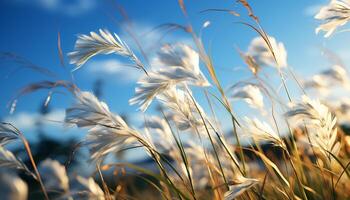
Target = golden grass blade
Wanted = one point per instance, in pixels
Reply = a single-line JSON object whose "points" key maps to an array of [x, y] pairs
{"points": [[269, 163]]}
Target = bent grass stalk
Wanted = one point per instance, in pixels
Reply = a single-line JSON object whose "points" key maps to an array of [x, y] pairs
{"points": [[210, 138], [183, 156], [30, 155]]}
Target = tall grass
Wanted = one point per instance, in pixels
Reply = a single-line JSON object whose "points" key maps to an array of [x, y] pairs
{"points": [[296, 148]]}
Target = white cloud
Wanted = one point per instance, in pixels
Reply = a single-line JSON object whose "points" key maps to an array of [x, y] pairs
{"points": [[70, 8], [313, 9], [55, 117], [26, 121], [113, 68], [23, 121]]}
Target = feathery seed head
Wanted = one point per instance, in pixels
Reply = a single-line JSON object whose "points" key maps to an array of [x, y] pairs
{"points": [[103, 42], [262, 132], [238, 186], [7, 134], [319, 122], [180, 64], [107, 132], [181, 108], [8, 160], [54, 176], [334, 15], [12, 187], [249, 93], [262, 54], [86, 188]]}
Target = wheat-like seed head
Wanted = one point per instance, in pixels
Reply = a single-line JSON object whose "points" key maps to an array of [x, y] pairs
{"points": [[319, 122]]}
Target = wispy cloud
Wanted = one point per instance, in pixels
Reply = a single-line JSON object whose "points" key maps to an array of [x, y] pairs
{"points": [[313, 9], [27, 121], [70, 8], [115, 69]]}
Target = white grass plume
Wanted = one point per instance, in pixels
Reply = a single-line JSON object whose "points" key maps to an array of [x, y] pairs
{"points": [[262, 132], [8, 160], [320, 124], [181, 108], [238, 186], [341, 108], [334, 76], [86, 188], [334, 15], [54, 176], [249, 93], [107, 132], [103, 42], [262, 55], [160, 137], [7, 134], [12, 187], [180, 64], [317, 83]]}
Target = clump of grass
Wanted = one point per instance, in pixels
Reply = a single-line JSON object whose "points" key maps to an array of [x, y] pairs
{"points": [[194, 158]]}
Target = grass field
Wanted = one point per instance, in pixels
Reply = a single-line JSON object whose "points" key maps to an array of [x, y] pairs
{"points": [[294, 145]]}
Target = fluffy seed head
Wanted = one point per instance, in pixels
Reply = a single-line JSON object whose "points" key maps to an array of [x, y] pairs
{"points": [[319, 122], [262, 55], [54, 176], [238, 186], [103, 42], [12, 187], [334, 15], [179, 64], [86, 188], [262, 132], [7, 134], [249, 93], [107, 132], [181, 109]]}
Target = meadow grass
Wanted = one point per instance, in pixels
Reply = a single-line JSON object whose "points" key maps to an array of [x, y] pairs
{"points": [[298, 147]]}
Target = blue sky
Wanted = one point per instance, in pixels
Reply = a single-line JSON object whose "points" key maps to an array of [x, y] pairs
{"points": [[29, 28]]}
